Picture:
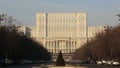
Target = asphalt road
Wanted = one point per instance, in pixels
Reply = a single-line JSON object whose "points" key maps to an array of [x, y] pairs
{"points": [[21, 66], [98, 66], [81, 66]]}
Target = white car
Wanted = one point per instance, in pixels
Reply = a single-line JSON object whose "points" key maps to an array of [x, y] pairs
{"points": [[104, 61], [99, 62], [109, 62], [115, 63]]}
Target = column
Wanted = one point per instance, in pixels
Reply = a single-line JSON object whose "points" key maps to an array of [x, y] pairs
{"points": [[68, 47], [50, 46], [65, 46], [53, 46], [74, 46], [56, 46]]}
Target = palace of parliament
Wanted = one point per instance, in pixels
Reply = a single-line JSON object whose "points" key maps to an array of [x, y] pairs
{"points": [[63, 32]]}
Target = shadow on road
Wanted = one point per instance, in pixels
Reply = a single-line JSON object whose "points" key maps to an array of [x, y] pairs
{"points": [[45, 66]]}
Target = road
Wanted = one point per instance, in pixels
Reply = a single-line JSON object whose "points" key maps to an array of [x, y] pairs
{"points": [[81, 66], [98, 66], [21, 66]]}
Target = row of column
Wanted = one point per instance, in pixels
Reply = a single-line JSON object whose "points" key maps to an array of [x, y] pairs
{"points": [[64, 46]]}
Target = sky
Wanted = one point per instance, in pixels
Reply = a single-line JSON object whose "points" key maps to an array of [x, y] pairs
{"points": [[99, 12]]}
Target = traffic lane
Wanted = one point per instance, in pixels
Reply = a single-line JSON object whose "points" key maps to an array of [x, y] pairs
{"points": [[81, 66]]}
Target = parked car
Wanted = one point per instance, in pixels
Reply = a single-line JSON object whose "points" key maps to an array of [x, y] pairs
{"points": [[115, 62], [109, 62], [93, 62], [104, 61], [99, 62]]}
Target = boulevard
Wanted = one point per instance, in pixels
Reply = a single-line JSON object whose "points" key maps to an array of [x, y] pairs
{"points": [[47, 66]]}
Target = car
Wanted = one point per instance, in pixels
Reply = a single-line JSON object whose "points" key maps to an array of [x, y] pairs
{"points": [[104, 61], [115, 62], [99, 62], [109, 62], [93, 62]]}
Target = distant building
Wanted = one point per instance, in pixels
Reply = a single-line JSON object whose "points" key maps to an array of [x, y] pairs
{"points": [[93, 31], [63, 32], [32, 32]]}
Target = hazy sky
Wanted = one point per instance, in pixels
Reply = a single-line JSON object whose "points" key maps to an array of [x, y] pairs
{"points": [[100, 12]]}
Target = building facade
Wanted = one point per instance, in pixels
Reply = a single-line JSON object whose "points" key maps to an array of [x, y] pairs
{"points": [[93, 31], [63, 32]]}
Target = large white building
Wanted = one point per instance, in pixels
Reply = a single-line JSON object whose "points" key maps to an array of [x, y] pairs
{"points": [[62, 31], [61, 25]]}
